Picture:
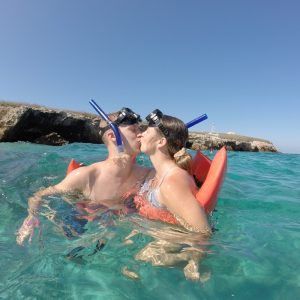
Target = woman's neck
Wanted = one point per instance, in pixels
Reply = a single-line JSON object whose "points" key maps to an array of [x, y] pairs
{"points": [[161, 163]]}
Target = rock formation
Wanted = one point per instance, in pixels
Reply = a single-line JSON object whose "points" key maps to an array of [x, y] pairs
{"points": [[37, 124], [42, 125], [233, 142]]}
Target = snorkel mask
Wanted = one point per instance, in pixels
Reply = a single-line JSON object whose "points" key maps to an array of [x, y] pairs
{"points": [[126, 117], [154, 120]]}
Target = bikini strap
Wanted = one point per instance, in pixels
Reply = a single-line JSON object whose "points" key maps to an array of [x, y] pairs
{"points": [[165, 175]]}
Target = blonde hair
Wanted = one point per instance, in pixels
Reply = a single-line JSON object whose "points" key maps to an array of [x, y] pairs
{"points": [[176, 140], [183, 159]]}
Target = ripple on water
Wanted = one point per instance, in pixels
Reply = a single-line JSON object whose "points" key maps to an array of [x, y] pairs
{"points": [[253, 254]]}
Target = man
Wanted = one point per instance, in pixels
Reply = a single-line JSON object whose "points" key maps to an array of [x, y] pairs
{"points": [[106, 183]]}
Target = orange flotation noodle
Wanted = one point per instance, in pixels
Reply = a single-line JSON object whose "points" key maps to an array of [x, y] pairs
{"points": [[209, 173], [209, 191], [73, 165]]}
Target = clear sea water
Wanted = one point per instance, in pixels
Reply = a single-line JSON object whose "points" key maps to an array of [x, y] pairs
{"points": [[254, 254]]}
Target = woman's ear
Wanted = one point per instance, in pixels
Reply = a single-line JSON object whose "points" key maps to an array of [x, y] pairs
{"points": [[162, 142]]}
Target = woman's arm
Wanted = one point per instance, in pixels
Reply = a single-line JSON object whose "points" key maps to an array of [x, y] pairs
{"points": [[177, 196]]}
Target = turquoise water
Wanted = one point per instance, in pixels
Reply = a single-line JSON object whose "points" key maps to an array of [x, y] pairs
{"points": [[254, 254]]}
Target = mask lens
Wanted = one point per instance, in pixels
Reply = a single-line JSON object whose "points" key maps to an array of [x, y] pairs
{"points": [[128, 121], [127, 117], [154, 120]]}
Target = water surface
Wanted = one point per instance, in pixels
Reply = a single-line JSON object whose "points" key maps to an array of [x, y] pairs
{"points": [[254, 254]]}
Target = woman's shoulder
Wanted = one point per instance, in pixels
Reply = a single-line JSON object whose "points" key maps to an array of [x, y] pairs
{"points": [[178, 179], [179, 174], [175, 187]]}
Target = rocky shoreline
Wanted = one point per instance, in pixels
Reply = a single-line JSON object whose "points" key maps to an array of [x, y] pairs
{"points": [[41, 125]]}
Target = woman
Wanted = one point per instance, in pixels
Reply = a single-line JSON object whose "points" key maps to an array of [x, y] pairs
{"points": [[171, 190]]}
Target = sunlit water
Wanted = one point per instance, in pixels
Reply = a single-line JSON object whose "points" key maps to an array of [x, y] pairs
{"points": [[254, 254]]}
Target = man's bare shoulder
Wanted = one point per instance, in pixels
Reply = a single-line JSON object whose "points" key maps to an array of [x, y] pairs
{"points": [[96, 166], [78, 178], [89, 168]]}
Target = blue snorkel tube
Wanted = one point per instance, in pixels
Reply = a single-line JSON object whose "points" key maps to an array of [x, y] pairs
{"points": [[196, 121], [112, 125]]}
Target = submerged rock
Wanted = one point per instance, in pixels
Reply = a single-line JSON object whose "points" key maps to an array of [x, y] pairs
{"points": [[38, 124]]}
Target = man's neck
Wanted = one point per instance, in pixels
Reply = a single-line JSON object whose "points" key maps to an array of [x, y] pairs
{"points": [[122, 161]]}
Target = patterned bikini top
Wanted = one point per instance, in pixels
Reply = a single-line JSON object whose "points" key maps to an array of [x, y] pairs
{"points": [[151, 194]]}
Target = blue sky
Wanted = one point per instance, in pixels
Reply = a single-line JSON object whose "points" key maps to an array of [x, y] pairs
{"points": [[238, 61]]}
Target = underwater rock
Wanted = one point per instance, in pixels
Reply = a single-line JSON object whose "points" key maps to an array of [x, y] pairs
{"points": [[130, 274]]}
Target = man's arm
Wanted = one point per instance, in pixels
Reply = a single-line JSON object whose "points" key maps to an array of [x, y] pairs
{"points": [[76, 180]]}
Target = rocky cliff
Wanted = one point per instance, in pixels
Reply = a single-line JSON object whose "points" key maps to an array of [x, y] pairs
{"points": [[37, 124], [42, 125], [233, 142]]}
